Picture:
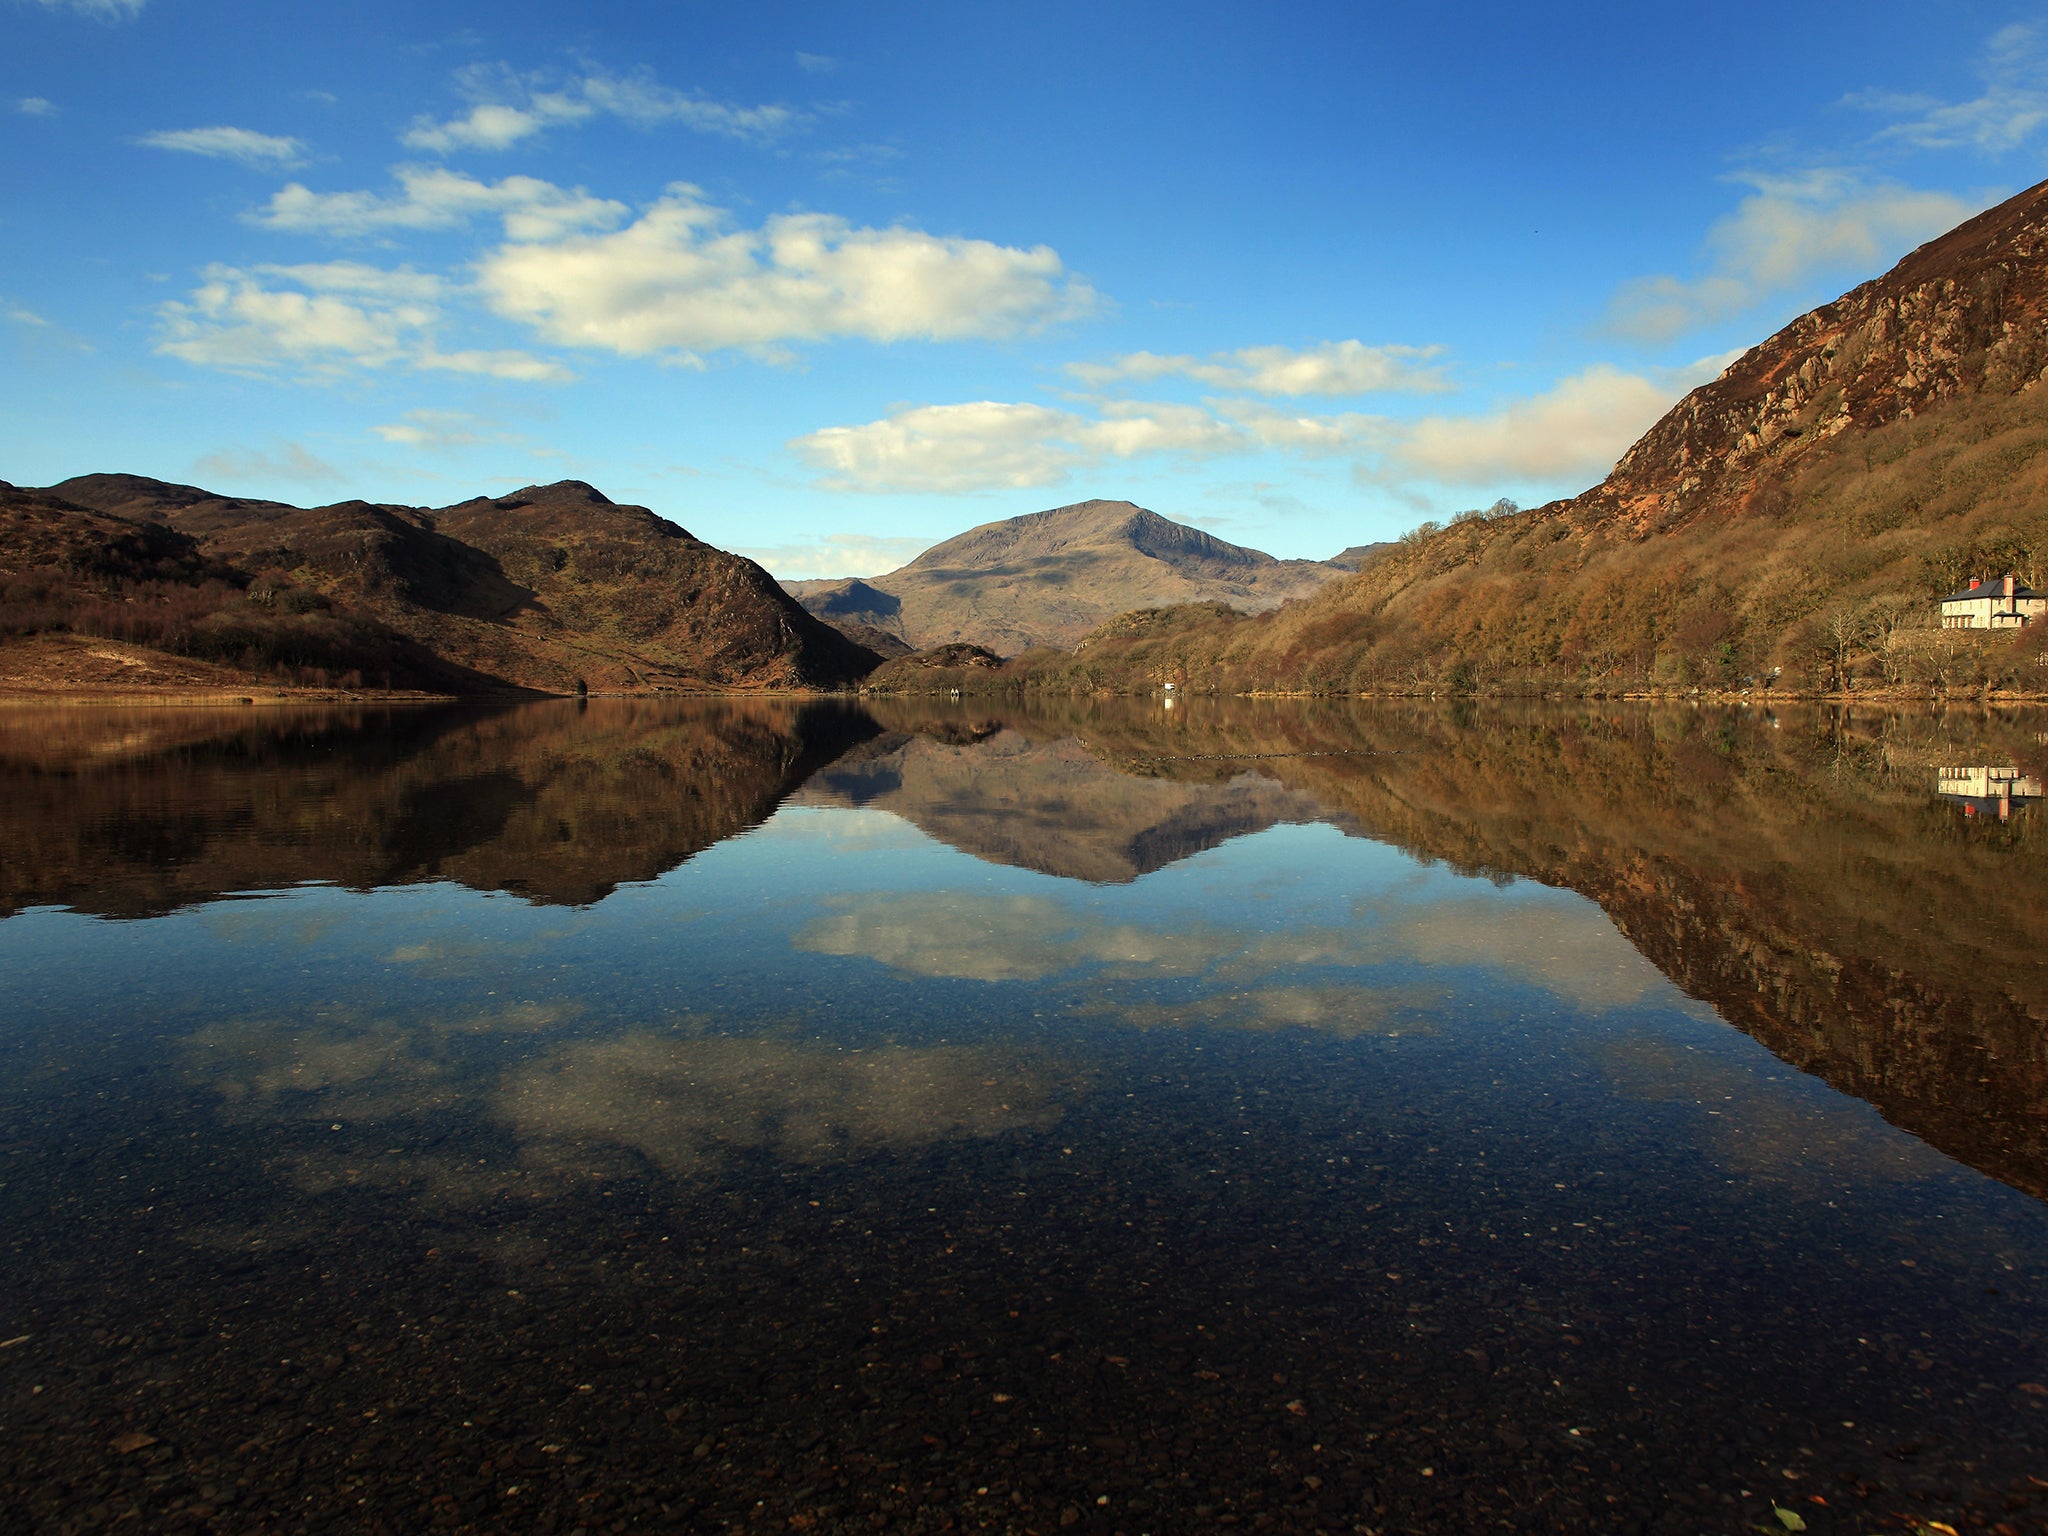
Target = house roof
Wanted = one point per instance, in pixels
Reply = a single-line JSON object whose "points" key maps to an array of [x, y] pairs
{"points": [[1991, 589]]}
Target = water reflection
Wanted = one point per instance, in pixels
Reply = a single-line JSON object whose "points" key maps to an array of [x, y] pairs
{"points": [[687, 1104], [138, 812], [753, 1113], [1985, 790], [1031, 795]]}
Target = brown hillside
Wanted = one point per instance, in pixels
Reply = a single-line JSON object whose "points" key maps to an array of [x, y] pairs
{"points": [[1048, 578], [91, 600], [1805, 511], [543, 589]]}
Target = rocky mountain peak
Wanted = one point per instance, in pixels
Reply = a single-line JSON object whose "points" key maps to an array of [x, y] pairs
{"points": [[560, 493], [1966, 313]]}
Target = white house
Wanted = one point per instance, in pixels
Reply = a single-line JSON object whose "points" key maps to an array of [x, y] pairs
{"points": [[2001, 604]]}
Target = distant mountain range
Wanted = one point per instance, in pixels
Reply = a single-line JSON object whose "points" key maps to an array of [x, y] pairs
{"points": [[116, 580], [1049, 578]]}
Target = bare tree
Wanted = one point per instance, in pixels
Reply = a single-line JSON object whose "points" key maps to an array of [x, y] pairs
{"points": [[1951, 563], [1842, 629], [1890, 617], [2031, 549]]}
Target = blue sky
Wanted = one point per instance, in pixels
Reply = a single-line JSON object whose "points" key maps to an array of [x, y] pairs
{"points": [[826, 283]]}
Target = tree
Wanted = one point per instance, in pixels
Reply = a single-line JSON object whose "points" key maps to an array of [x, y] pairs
{"points": [[1842, 629], [1950, 564], [1888, 619]]}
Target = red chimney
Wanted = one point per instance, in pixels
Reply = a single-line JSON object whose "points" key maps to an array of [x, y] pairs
{"points": [[2008, 586], [1975, 583]]}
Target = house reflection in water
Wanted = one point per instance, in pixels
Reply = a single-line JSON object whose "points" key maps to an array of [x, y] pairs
{"points": [[1987, 791]]}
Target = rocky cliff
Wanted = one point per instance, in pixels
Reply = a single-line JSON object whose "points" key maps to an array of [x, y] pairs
{"points": [[1962, 316]]}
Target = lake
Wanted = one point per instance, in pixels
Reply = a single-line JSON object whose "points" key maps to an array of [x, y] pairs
{"points": [[1117, 1117]]}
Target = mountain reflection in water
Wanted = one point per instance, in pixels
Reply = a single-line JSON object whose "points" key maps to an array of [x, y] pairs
{"points": [[1275, 1101]]}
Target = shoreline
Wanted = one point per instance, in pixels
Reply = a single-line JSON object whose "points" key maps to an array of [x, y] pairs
{"points": [[223, 698]]}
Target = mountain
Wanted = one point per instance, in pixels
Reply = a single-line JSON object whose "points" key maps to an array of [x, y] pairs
{"points": [[545, 589], [1359, 556], [1048, 578], [1804, 511]]}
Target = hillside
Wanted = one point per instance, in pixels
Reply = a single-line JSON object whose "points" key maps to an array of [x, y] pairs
{"points": [[1048, 578], [545, 589], [1805, 511]]}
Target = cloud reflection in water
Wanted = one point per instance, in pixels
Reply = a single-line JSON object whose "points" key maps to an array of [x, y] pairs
{"points": [[684, 1104], [1263, 977]]}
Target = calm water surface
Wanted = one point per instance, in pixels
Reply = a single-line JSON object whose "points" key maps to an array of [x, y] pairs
{"points": [[765, 1116]]}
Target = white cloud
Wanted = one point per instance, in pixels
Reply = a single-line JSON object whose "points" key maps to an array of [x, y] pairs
{"points": [[816, 63], [36, 106], [432, 198], [442, 431], [2014, 103], [1328, 368], [360, 277], [688, 1106], [1788, 229], [979, 445], [105, 10], [232, 321], [1555, 940], [492, 125], [509, 107], [836, 554], [681, 280], [1572, 432], [641, 100], [989, 444], [503, 363], [322, 320], [292, 462], [39, 332], [1306, 433], [1129, 428], [243, 144]]}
